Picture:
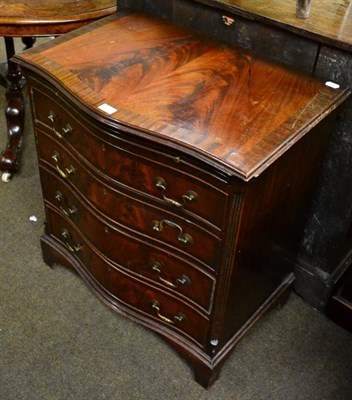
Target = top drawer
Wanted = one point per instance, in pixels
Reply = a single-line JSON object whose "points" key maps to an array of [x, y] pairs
{"points": [[139, 168]]}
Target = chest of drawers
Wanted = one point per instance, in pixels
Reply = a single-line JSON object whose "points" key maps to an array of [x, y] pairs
{"points": [[177, 175]]}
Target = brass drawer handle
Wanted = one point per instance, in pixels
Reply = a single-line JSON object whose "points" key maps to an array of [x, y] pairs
{"points": [[64, 131], [177, 318], [64, 207], [71, 246], [68, 171], [182, 237], [52, 117], [182, 280], [190, 195]]}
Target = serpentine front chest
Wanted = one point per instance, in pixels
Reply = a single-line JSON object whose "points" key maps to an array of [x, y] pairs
{"points": [[177, 174]]}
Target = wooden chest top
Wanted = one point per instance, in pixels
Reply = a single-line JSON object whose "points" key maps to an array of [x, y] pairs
{"points": [[172, 85]]}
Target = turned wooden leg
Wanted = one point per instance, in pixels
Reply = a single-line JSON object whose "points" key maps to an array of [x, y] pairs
{"points": [[14, 113], [28, 41]]}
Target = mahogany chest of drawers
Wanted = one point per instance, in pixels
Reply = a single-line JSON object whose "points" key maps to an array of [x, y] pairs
{"points": [[177, 174]]}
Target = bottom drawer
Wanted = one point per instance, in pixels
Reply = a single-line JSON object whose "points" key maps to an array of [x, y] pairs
{"points": [[140, 296]]}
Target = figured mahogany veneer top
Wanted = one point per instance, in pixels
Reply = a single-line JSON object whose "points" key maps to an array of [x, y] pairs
{"points": [[175, 86]]}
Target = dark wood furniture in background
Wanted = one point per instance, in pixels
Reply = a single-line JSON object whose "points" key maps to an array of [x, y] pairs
{"points": [[177, 175], [321, 45], [30, 19], [339, 307]]}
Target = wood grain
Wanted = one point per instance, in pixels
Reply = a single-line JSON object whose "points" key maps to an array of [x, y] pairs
{"points": [[241, 111], [207, 115], [38, 17]]}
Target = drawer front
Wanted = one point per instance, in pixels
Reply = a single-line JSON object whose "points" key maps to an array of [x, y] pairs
{"points": [[136, 294], [130, 213], [134, 255], [136, 167]]}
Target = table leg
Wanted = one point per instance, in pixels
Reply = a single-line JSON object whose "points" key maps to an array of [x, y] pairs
{"points": [[28, 41], [9, 162]]}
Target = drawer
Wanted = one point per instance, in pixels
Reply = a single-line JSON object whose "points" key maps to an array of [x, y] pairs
{"points": [[129, 213], [140, 258], [143, 298], [173, 183]]}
